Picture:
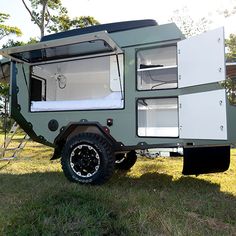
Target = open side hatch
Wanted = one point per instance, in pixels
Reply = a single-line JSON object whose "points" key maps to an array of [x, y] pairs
{"points": [[76, 46]]}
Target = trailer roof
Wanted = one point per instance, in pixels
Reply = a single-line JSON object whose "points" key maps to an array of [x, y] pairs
{"points": [[109, 28]]}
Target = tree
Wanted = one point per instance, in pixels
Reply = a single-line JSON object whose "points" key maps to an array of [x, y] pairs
{"points": [[228, 11], [4, 84], [6, 30], [63, 23], [230, 83], [13, 43], [51, 16], [187, 25], [231, 46], [4, 94]]}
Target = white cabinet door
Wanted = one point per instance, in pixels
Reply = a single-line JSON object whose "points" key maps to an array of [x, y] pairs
{"points": [[203, 115], [201, 59]]}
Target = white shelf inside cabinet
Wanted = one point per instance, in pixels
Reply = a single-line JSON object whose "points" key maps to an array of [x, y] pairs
{"points": [[157, 68]]}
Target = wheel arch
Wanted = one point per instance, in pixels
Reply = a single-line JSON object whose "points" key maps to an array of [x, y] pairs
{"points": [[75, 128]]}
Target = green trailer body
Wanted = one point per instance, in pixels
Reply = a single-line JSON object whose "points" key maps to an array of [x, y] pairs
{"points": [[117, 88]]}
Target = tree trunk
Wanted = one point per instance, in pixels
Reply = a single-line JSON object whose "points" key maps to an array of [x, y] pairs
{"points": [[42, 23], [39, 21]]}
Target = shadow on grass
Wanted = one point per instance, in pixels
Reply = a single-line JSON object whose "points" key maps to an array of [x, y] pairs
{"points": [[148, 182], [39, 203]]}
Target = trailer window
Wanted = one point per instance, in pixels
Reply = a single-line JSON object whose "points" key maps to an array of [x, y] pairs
{"points": [[158, 117], [38, 89], [157, 68], [85, 84]]}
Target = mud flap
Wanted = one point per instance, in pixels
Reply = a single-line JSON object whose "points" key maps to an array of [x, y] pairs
{"points": [[56, 154], [203, 160]]}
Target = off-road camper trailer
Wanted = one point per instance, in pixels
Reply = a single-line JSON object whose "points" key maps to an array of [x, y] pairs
{"points": [[98, 94]]}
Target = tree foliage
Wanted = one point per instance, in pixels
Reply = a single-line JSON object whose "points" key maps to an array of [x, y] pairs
{"points": [[6, 30], [63, 23], [13, 43], [4, 89], [231, 46], [187, 24], [50, 16], [230, 86], [230, 83], [227, 12]]}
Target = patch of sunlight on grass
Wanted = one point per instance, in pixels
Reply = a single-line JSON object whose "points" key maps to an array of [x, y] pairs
{"points": [[34, 158], [28, 166]]}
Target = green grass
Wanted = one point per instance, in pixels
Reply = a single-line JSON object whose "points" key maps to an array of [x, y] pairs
{"points": [[151, 199]]}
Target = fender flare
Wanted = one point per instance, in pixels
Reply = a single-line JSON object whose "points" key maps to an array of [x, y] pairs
{"points": [[74, 128]]}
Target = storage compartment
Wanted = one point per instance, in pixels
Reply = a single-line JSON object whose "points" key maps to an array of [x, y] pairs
{"points": [[158, 117], [84, 84], [157, 68]]}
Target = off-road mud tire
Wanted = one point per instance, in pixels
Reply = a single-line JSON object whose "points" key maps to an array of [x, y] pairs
{"points": [[105, 160], [126, 161]]}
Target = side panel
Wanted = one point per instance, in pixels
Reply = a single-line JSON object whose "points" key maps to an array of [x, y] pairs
{"points": [[203, 115], [201, 59]]}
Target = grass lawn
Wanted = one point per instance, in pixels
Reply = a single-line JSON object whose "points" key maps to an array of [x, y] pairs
{"points": [[151, 199]]}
